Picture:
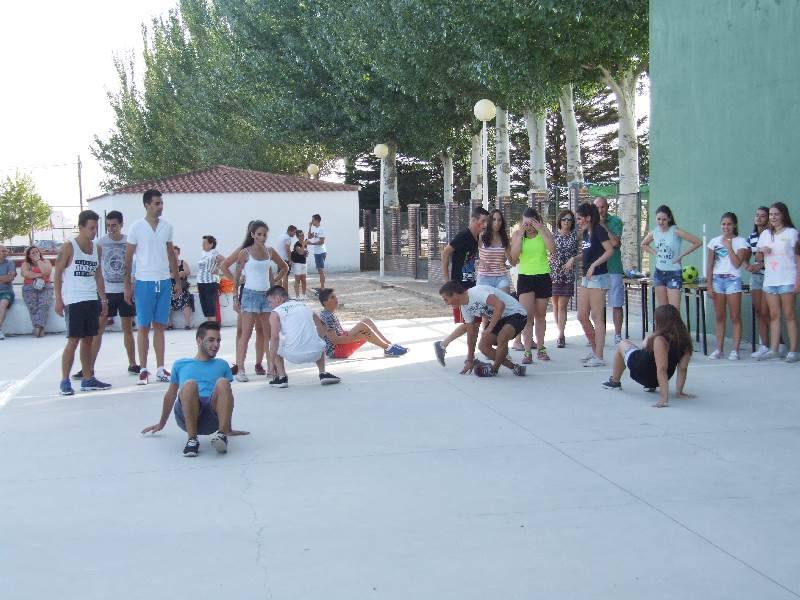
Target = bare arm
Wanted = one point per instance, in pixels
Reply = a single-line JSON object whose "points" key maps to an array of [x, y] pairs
{"points": [[283, 268], [101, 286], [447, 252], [10, 277], [472, 339], [648, 239], [498, 306], [710, 270], [661, 353], [169, 401], [694, 243], [173, 263], [680, 380], [130, 250], [516, 245], [609, 252], [243, 254], [63, 260]]}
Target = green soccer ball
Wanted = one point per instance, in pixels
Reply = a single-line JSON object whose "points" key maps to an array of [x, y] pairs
{"points": [[690, 274]]}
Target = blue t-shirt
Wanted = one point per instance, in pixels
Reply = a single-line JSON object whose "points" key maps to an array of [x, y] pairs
{"points": [[204, 372], [7, 267]]}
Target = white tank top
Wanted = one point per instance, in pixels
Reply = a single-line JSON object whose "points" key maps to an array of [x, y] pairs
{"points": [[256, 273], [79, 282]]}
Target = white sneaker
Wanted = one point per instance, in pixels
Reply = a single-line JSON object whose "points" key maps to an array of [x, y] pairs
{"points": [[2, 335], [617, 339], [768, 355], [782, 350], [792, 357], [715, 355], [595, 362], [734, 355], [588, 357], [762, 349], [242, 376]]}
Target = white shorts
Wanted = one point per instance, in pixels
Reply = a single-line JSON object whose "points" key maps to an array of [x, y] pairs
{"points": [[299, 268], [301, 358]]}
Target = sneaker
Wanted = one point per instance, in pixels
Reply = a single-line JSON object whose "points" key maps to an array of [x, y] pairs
{"points": [[144, 377], [192, 447], [561, 343], [326, 378], [782, 349], [234, 369], [518, 347], [542, 354], [394, 350], [762, 349], [77, 375], [527, 358], [134, 369], [484, 370], [162, 375], [2, 335], [650, 390], [219, 441], [279, 382], [93, 384], [612, 385], [260, 369], [792, 357], [617, 339], [242, 376], [595, 362], [440, 351], [768, 355], [588, 357], [715, 355], [65, 388], [519, 370], [734, 355]]}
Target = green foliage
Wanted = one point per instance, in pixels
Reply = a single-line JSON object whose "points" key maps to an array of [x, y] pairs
{"points": [[21, 208]]}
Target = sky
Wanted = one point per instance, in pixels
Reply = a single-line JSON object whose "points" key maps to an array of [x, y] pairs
{"points": [[56, 64]]}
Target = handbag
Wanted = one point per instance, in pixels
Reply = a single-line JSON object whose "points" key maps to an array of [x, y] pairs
{"points": [[38, 283]]}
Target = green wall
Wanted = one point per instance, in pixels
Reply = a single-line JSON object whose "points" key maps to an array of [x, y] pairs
{"points": [[725, 110]]}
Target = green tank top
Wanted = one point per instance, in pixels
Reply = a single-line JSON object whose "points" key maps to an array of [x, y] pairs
{"points": [[533, 257]]}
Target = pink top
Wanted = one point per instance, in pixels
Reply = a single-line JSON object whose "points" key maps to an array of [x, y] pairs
{"points": [[492, 261], [35, 269]]}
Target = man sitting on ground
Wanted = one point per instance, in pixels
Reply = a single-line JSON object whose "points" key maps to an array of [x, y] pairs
{"points": [[296, 335], [507, 317], [341, 343], [203, 386]]}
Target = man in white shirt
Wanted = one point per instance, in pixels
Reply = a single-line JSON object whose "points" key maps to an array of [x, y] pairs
{"points": [[284, 249], [507, 317], [316, 239], [150, 239]]}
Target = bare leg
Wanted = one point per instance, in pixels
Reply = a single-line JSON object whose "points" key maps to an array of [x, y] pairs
{"points": [[97, 341], [674, 298], [719, 320], [303, 285], [322, 278], [540, 320], [127, 339], [562, 314], [460, 330], [619, 360], [296, 286], [596, 300], [735, 311], [321, 363], [528, 300], [774, 303], [262, 322], [376, 331], [222, 403], [3, 309], [617, 312], [190, 403], [86, 357], [68, 356], [362, 331], [143, 341], [280, 366], [187, 316], [762, 315], [158, 343], [583, 314], [661, 294], [787, 303], [241, 346], [261, 343]]}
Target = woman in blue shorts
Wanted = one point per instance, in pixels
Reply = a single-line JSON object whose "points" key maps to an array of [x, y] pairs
{"points": [[756, 269], [668, 276]]}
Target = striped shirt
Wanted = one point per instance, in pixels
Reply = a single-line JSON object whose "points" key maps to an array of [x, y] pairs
{"points": [[207, 267], [752, 240], [492, 261]]}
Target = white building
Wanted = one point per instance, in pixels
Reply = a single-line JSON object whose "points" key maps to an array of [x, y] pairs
{"points": [[221, 200]]}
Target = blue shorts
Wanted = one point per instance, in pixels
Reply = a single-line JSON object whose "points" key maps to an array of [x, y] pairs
{"points": [[319, 260], [672, 279], [7, 296], [495, 281], [602, 282], [254, 301], [726, 284], [756, 282], [779, 289], [616, 290], [152, 302], [207, 420]]}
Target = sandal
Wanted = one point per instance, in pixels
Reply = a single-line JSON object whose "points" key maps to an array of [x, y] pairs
{"points": [[518, 347], [561, 342], [542, 354], [527, 358]]}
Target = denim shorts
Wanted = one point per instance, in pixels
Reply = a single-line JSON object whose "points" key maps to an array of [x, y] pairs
{"points": [[616, 290], [602, 282], [672, 279], [254, 301], [756, 282], [495, 281], [319, 260], [779, 289], [726, 284]]}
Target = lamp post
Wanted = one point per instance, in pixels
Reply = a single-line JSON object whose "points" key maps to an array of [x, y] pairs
{"points": [[484, 111], [313, 170], [381, 151]]}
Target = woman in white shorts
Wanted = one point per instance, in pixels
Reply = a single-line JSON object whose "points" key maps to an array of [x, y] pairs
{"points": [[299, 266]]}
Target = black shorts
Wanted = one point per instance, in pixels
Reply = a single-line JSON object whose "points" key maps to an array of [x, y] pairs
{"points": [[82, 318], [208, 292], [117, 305], [540, 285], [517, 321]]}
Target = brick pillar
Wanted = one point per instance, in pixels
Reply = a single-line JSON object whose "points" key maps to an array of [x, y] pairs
{"points": [[433, 232], [414, 232], [366, 236], [394, 216], [504, 205]]}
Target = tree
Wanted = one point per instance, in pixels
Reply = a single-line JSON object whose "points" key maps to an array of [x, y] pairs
{"points": [[22, 210]]}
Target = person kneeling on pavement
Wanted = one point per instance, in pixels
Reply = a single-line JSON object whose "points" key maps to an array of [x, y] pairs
{"points": [[203, 387]]}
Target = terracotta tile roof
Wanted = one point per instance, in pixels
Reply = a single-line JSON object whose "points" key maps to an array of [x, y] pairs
{"points": [[222, 179]]}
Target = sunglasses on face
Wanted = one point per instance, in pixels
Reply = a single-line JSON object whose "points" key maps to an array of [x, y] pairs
{"points": [[570, 219]]}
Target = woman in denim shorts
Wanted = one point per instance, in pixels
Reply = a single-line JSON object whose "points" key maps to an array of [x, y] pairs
{"points": [[756, 269], [781, 251], [725, 257], [597, 249], [668, 277]]}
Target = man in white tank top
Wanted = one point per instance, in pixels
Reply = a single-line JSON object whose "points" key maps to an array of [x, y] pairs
{"points": [[78, 282], [295, 335]]}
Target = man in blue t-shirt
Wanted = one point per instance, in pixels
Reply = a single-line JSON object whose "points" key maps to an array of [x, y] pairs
{"points": [[203, 386]]}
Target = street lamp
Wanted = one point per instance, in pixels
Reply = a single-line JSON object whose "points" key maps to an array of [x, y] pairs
{"points": [[313, 170], [381, 151], [485, 110]]}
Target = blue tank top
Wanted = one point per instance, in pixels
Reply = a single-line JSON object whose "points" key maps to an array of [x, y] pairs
{"points": [[668, 248]]}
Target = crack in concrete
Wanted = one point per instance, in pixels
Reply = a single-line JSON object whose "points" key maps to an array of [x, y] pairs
{"points": [[259, 528]]}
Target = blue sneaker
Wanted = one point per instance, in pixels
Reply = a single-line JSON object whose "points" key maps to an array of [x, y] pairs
{"points": [[395, 350], [93, 384], [65, 389]]}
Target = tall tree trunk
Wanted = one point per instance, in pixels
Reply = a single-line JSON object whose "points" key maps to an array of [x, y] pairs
{"points": [[390, 177], [502, 156], [476, 172], [447, 167], [624, 89], [572, 135], [536, 125]]}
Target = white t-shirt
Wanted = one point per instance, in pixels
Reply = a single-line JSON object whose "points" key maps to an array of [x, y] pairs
{"points": [[780, 266], [315, 233], [113, 263], [299, 340], [477, 306], [722, 262], [152, 263], [207, 266], [280, 247]]}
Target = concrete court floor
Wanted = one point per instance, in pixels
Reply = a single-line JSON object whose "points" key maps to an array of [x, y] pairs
{"points": [[405, 481]]}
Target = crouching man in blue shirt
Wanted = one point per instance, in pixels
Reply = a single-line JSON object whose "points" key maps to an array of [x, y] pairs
{"points": [[203, 386]]}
